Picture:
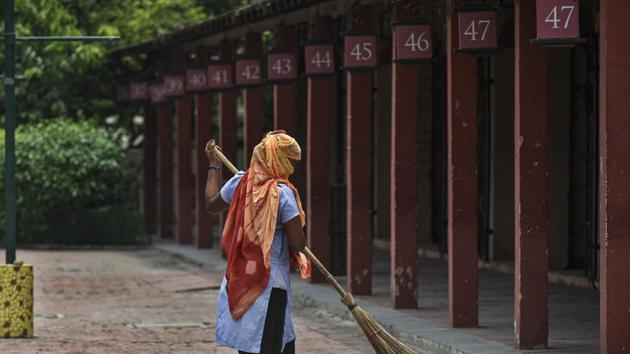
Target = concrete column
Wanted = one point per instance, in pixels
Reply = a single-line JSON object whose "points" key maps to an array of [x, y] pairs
{"points": [[183, 107], [403, 198], [359, 106], [284, 94], [253, 103], [614, 205], [227, 115], [150, 169], [165, 126], [531, 170], [319, 110], [462, 181], [203, 130]]}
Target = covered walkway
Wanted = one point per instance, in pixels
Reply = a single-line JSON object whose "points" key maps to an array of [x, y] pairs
{"points": [[489, 130]]}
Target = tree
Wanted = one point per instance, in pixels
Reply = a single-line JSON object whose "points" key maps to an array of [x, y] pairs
{"points": [[63, 79]]}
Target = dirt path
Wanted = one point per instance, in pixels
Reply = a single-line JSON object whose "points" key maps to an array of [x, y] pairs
{"points": [[142, 302]]}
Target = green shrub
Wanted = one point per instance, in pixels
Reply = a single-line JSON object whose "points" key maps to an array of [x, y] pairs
{"points": [[66, 169]]}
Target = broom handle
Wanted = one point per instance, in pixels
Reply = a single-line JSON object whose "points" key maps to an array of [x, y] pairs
{"points": [[306, 250]]}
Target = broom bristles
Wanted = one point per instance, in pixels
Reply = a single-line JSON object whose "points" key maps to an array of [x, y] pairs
{"points": [[382, 341]]}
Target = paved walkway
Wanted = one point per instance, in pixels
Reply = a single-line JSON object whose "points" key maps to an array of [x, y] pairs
{"points": [[574, 312], [145, 301]]}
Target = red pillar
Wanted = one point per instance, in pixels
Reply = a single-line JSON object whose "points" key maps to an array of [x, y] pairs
{"points": [[150, 169], [284, 94], [403, 198], [531, 169], [319, 111], [359, 101], [203, 129], [183, 108], [614, 205], [227, 115], [462, 181], [253, 103], [165, 118]]}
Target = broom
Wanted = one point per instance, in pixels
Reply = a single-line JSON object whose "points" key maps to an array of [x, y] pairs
{"points": [[382, 341]]}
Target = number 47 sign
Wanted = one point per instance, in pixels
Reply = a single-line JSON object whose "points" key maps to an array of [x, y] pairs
{"points": [[477, 30], [557, 19]]}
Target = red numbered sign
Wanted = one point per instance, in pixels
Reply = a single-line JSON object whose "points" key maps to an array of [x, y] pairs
{"points": [[156, 93], [359, 51], [557, 19], [196, 80], [477, 30], [138, 91], [413, 42], [319, 59], [174, 85], [281, 66], [248, 72], [220, 76]]}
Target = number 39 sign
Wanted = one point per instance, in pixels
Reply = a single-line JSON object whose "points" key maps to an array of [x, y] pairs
{"points": [[359, 51], [557, 19]]}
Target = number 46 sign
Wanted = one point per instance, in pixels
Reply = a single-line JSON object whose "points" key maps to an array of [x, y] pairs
{"points": [[413, 42]]}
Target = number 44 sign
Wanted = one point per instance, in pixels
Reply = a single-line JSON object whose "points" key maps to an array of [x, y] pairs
{"points": [[319, 59], [557, 19]]}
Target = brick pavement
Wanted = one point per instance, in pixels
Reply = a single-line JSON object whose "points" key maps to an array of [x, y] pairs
{"points": [[143, 301]]}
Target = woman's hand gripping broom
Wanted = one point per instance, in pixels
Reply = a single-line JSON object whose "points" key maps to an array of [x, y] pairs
{"points": [[382, 341]]}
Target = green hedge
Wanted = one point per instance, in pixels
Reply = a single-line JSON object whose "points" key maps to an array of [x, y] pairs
{"points": [[72, 184]]}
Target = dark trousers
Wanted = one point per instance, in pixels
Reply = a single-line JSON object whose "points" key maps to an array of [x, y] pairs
{"points": [[274, 325]]}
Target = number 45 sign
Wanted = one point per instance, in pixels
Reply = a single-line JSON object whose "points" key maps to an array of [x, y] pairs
{"points": [[359, 51]]}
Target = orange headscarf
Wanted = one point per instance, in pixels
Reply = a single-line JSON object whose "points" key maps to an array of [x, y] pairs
{"points": [[251, 222]]}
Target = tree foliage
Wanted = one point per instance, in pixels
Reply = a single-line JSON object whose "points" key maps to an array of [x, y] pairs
{"points": [[64, 167], [72, 79]]}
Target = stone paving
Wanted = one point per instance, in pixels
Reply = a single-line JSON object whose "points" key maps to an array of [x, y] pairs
{"points": [[573, 322], [145, 301]]}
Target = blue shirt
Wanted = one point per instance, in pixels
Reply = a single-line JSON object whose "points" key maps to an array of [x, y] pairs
{"points": [[245, 334]]}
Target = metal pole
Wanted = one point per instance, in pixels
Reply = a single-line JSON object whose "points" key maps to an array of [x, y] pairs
{"points": [[9, 117]]}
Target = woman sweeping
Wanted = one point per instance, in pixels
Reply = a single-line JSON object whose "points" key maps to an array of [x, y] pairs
{"points": [[262, 237]]}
